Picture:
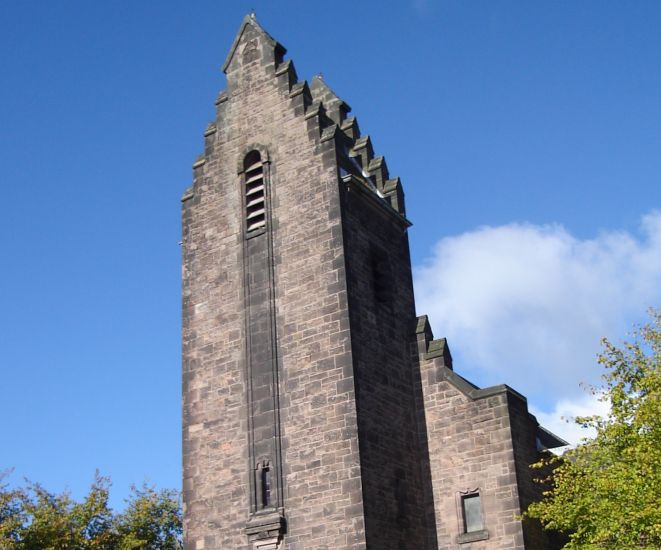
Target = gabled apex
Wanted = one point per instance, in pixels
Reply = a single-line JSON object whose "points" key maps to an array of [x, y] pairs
{"points": [[251, 20]]}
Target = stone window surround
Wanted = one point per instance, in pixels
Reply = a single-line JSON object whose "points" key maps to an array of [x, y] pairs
{"points": [[472, 536]]}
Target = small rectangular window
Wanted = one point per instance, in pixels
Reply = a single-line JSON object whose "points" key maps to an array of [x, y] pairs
{"points": [[471, 509]]}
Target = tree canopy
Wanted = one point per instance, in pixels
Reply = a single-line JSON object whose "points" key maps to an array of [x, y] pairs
{"points": [[604, 493], [32, 518]]}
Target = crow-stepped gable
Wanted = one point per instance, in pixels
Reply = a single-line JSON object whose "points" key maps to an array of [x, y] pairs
{"points": [[319, 412]]}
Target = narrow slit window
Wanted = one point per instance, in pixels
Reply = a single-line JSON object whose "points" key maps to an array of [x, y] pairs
{"points": [[471, 509], [266, 487], [254, 191]]}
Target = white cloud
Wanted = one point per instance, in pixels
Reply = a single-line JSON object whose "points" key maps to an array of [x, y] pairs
{"points": [[560, 420], [527, 305]]}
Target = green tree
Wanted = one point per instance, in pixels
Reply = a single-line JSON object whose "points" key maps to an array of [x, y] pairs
{"points": [[152, 519], [32, 518], [605, 492], [12, 515]]}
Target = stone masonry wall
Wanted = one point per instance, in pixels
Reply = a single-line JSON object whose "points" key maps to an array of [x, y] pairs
{"points": [[524, 437], [382, 317], [264, 106], [470, 446]]}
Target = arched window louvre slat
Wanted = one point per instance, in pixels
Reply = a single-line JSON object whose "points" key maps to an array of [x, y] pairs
{"points": [[254, 191]]}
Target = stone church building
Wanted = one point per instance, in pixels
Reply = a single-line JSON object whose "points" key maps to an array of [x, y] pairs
{"points": [[319, 411]]}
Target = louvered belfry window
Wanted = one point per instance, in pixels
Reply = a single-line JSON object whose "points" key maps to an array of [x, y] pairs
{"points": [[255, 191]]}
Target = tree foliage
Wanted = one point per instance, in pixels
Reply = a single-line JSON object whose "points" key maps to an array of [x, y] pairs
{"points": [[32, 518], [605, 492]]}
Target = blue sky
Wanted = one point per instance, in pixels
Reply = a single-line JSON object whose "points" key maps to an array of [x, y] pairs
{"points": [[527, 136]]}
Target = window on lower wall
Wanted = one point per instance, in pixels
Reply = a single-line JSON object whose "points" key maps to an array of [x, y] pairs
{"points": [[471, 509], [471, 517]]}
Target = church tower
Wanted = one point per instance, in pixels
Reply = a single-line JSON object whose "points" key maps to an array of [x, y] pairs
{"points": [[299, 392], [306, 373]]}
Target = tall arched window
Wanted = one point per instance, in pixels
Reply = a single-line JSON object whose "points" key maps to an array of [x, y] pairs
{"points": [[254, 191]]}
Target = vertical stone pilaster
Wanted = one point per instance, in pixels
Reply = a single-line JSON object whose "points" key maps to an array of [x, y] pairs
{"points": [[266, 517]]}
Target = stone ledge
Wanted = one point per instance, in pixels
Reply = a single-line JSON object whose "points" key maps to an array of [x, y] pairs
{"points": [[188, 194], [200, 161], [266, 529], [469, 389], [472, 537], [210, 130], [284, 67], [354, 183]]}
